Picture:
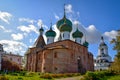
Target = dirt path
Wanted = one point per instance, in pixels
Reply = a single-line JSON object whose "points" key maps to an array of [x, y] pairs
{"points": [[71, 78]]}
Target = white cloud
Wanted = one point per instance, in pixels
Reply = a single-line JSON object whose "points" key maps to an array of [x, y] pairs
{"points": [[25, 34], [78, 14], [30, 40], [92, 34], [4, 29], [110, 35], [40, 22], [75, 22], [5, 16], [17, 36], [27, 20], [13, 46], [56, 16], [57, 32], [28, 29], [68, 8]]}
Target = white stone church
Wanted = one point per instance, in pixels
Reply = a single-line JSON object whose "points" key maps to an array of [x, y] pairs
{"points": [[103, 60]]}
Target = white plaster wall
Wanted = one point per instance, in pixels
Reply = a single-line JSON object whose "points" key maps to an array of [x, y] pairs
{"points": [[50, 40], [65, 35], [78, 40]]}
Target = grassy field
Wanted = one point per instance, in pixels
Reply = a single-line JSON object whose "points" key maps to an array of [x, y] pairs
{"points": [[49, 76], [34, 76], [116, 77]]}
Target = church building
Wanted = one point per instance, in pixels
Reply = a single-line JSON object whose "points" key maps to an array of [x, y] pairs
{"points": [[103, 60], [62, 56], [12, 59]]}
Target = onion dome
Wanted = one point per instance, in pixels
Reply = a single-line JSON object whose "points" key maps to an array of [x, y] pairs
{"points": [[50, 33], [65, 27], [85, 44], [77, 34], [102, 42], [41, 29], [61, 22], [64, 19]]}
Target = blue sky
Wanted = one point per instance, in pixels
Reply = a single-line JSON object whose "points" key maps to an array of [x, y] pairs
{"points": [[20, 21]]}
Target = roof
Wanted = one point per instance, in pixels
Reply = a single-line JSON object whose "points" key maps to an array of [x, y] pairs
{"points": [[61, 22], [77, 34], [50, 33], [39, 43], [65, 27], [11, 54], [63, 43]]}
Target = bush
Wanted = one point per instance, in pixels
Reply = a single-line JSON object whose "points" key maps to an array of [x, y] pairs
{"points": [[50, 76], [46, 76], [30, 74], [3, 78], [20, 78], [97, 75], [14, 74], [91, 76], [22, 73]]}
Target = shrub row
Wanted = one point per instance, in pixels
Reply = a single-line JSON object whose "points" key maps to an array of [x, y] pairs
{"points": [[3, 78], [97, 75], [51, 76]]}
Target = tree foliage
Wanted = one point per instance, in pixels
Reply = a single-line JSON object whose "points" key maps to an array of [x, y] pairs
{"points": [[116, 64], [10, 65]]}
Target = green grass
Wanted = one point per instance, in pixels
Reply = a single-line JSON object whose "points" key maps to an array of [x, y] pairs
{"points": [[102, 75], [34, 76], [116, 77], [25, 78], [22, 76]]}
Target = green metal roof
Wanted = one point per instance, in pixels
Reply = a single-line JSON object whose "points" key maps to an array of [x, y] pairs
{"points": [[65, 27], [50, 33], [62, 21], [86, 43], [41, 29], [77, 34]]}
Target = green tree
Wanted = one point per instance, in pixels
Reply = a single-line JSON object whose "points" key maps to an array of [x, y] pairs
{"points": [[116, 64]]}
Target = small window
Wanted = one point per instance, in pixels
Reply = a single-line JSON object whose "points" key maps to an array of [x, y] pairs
{"points": [[18, 59], [55, 68], [39, 56], [72, 56], [48, 40], [55, 55], [68, 35], [63, 35], [44, 68], [11, 59]]}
